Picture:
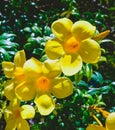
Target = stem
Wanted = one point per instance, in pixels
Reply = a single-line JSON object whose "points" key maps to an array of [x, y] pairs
{"points": [[98, 121]]}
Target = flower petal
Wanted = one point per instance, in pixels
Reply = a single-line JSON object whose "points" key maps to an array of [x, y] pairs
{"points": [[54, 49], [25, 91], [95, 127], [62, 87], [8, 114], [32, 68], [9, 90], [23, 125], [45, 104], [71, 64], [61, 28], [27, 112], [52, 68], [15, 103], [110, 121], [90, 51], [11, 124], [19, 58], [8, 68], [82, 30]]}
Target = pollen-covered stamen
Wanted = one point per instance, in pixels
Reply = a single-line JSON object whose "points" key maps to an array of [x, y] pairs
{"points": [[43, 84], [71, 45]]}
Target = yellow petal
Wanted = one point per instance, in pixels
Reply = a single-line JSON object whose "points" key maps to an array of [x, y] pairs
{"points": [[61, 28], [23, 125], [95, 127], [8, 68], [82, 30], [54, 49], [71, 64], [62, 87], [8, 114], [15, 103], [9, 90], [52, 68], [27, 112], [25, 91], [19, 58], [11, 124], [45, 104], [90, 51], [110, 121], [32, 68]]}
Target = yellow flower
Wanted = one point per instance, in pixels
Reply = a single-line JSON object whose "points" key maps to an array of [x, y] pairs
{"points": [[42, 80], [109, 124], [15, 116], [14, 71], [73, 45]]}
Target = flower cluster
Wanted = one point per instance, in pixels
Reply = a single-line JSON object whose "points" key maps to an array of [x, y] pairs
{"points": [[33, 80]]}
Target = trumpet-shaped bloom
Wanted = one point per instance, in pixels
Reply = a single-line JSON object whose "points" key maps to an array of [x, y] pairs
{"points": [[109, 125], [73, 45], [42, 80], [15, 116], [14, 71]]}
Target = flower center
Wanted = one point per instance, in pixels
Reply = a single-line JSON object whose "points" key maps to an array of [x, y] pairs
{"points": [[17, 113], [43, 84], [71, 45]]}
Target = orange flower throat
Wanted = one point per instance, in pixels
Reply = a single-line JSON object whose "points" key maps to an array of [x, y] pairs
{"points": [[17, 113], [43, 84], [71, 45]]}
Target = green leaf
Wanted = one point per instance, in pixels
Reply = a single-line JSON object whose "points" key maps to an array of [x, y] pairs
{"points": [[27, 29], [28, 46], [89, 71], [107, 40], [36, 30], [97, 79], [47, 31], [78, 76], [105, 89], [5, 54], [6, 36]]}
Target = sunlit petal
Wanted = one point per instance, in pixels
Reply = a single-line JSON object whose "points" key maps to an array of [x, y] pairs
{"points": [[19, 58], [52, 68], [23, 125], [62, 28], [45, 104], [9, 90], [71, 64], [8, 68], [82, 30], [25, 91], [62, 87], [27, 112], [54, 49], [11, 124], [110, 121], [95, 127], [90, 51], [32, 67]]}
